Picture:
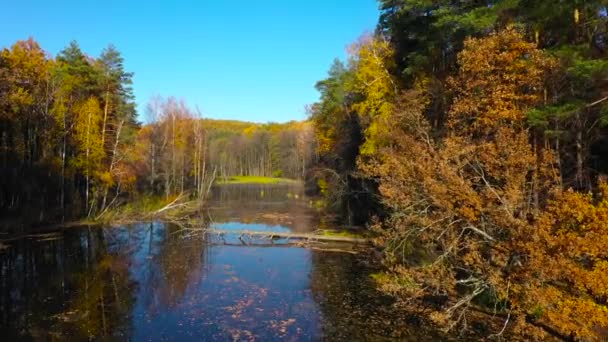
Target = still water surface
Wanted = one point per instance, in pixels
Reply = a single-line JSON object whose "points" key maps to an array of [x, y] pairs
{"points": [[157, 281]]}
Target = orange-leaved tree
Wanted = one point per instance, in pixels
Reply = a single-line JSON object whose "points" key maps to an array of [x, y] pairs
{"points": [[463, 204], [567, 272]]}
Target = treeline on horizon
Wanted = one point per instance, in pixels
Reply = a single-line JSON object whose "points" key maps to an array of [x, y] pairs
{"points": [[71, 145], [178, 150], [267, 150], [471, 137]]}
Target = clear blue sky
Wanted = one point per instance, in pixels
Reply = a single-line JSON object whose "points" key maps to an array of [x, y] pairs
{"points": [[255, 60]]}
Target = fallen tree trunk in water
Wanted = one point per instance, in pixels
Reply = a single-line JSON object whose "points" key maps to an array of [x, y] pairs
{"points": [[334, 248], [288, 235]]}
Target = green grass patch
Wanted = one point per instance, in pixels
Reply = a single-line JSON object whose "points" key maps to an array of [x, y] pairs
{"points": [[392, 280], [381, 278], [254, 180], [345, 233]]}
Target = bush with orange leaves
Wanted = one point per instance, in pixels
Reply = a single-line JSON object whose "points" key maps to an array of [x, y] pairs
{"points": [[567, 268], [463, 234]]}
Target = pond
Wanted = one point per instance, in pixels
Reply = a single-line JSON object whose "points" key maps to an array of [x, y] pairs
{"points": [[158, 281]]}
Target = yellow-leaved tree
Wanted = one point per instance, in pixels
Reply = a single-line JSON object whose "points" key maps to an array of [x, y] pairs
{"points": [[372, 61], [90, 151]]}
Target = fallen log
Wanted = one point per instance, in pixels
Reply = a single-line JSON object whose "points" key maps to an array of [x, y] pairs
{"points": [[288, 235], [312, 245]]}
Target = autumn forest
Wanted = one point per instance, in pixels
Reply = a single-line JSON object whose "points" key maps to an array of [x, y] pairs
{"points": [[467, 139], [72, 145]]}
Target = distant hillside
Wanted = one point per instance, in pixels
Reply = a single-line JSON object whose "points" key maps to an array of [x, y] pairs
{"points": [[237, 126]]}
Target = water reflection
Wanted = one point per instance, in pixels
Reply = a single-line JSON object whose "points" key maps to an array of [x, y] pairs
{"points": [[71, 283], [161, 282], [284, 205]]}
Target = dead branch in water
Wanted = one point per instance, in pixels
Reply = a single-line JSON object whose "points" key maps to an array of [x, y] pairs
{"points": [[312, 245], [174, 204]]}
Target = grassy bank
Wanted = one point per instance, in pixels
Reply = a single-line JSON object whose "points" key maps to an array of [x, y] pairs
{"points": [[255, 180], [149, 208]]}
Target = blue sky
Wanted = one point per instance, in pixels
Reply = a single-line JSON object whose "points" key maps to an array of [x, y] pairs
{"points": [[255, 60]]}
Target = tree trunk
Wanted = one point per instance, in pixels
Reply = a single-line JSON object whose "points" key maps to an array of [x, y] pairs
{"points": [[105, 117], [112, 161], [88, 150], [579, 176]]}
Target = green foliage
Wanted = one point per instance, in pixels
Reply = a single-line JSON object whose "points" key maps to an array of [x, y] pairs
{"points": [[331, 112], [543, 117], [435, 30], [78, 76], [581, 64]]}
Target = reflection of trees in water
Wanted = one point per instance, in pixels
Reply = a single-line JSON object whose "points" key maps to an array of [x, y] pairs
{"points": [[179, 260], [159, 263], [22, 312], [104, 291], [84, 284], [64, 286], [282, 204], [351, 308], [253, 193]]}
